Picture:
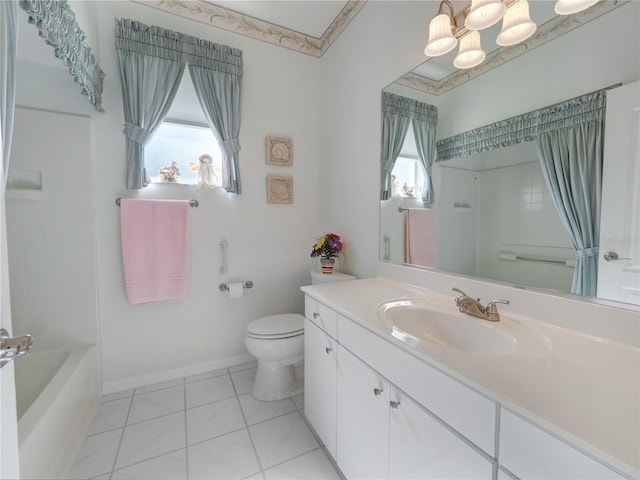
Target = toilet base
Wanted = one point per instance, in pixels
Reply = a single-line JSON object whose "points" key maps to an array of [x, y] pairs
{"points": [[277, 382]]}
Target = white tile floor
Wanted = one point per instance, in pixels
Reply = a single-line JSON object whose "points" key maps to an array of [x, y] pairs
{"points": [[202, 427]]}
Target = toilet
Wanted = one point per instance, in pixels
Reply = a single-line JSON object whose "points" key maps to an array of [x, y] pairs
{"points": [[277, 342]]}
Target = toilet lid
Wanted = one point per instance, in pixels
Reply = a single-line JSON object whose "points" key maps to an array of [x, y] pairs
{"points": [[277, 326]]}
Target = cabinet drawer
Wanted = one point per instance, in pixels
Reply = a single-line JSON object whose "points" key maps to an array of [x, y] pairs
{"points": [[531, 453], [470, 413], [322, 316]]}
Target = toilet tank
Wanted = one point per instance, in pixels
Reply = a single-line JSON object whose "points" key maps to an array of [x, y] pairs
{"points": [[319, 277]]}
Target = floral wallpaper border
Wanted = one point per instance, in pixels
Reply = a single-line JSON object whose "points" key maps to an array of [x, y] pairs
{"points": [[217, 16], [545, 33]]}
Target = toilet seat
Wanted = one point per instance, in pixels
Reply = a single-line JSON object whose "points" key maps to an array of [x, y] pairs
{"points": [[276, 327]]}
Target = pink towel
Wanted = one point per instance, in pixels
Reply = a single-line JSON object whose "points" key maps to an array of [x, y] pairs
{"points": [[155, 249], [420, 237]]}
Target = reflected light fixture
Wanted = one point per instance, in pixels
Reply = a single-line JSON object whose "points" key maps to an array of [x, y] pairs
{"points": [[445, 29], [470, 53]]}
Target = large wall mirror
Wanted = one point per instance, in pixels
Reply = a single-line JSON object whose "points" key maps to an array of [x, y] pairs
{"points": [[493, 215]]}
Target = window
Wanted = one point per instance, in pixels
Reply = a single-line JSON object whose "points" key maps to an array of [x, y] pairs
{"points": [[407, 176], [183, 137]]}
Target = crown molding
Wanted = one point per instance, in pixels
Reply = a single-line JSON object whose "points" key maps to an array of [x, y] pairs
{"points": [[219, 17], [551, 30]]}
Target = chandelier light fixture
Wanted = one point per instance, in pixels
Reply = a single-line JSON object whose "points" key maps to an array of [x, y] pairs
{"points": [[448, 29]]}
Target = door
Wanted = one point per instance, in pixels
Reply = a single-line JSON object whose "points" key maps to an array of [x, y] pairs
{"points": [[619, 262], [363, 420], [320, 384], [9, 464], [422, 447]]}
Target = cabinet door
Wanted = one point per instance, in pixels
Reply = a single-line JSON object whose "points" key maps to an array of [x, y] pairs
{"points": [[421, 447], [363, 420], [320, 384], [531, 453]]}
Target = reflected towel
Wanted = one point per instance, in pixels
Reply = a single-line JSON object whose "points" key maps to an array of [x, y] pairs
{"points": [[155, 249], [420, 237]]}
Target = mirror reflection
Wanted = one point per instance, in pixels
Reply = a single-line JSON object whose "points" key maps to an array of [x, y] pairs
{"points": [[493, 214]]}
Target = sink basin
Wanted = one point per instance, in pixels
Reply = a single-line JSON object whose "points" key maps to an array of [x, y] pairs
{"points": [[420, 321]]}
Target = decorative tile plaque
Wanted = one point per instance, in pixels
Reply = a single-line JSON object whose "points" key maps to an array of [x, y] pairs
{"points": [[279, 151], [279, 189]]}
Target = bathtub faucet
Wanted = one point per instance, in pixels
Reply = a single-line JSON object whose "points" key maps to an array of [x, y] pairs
{"points": [[472, 306], [13, 347]]}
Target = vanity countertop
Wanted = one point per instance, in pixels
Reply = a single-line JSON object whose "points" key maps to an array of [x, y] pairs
{"points": [[583, 388]]}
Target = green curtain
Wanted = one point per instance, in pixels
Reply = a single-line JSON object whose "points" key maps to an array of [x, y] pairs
{"points": [[8, 56], [572, 159], [218, 91], [152, 62], [59, 28]]}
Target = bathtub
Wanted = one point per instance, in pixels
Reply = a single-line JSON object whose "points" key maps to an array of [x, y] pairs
{"points": [[58, 389]]}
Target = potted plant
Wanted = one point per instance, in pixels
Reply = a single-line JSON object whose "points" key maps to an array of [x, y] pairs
{"points": [[328, 247]]}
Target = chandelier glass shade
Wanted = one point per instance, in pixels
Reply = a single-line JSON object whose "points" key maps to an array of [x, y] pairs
{"points": [[517, 26], [470, 53], [441, 38], [567, 7], [484, 13]]}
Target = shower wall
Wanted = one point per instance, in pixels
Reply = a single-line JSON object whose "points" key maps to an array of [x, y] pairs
{"points": [[518, 216], [50, 223]]}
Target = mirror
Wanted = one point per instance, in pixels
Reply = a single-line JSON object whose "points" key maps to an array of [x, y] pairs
{"points": [[493, 207]]}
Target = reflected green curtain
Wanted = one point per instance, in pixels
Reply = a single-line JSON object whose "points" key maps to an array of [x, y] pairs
{"points": [[8, 56], [425, 121], [395, 123], [218, 87], [571, 157]]}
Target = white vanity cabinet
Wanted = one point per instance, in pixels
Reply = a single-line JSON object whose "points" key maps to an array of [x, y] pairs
{"points": [[529, 452], [320, 383], [382, 433]]}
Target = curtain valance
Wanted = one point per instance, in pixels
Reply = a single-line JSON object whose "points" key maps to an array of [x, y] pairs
{"points": [[57, 24], [407, 107], [524, 128], [133, 36]]}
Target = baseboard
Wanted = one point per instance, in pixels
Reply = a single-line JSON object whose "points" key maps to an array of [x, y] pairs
{"points": [[166, 375]]}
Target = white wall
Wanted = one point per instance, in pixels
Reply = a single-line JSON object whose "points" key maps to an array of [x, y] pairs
{"points": [[268, 243]]}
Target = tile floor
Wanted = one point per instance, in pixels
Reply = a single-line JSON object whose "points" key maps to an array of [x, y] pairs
{"points": [[201, 427]]}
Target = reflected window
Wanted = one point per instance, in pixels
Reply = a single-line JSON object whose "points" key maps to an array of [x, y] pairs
{"points": [[407, 176]]}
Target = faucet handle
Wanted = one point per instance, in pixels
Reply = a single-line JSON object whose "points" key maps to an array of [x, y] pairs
{"points": [[491, 311]]}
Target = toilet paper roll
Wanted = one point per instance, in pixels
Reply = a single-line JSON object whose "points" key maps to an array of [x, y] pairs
{"points": [[235, 290]]}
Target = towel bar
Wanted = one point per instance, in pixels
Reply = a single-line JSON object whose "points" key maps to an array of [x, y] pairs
{"points": [[192, 203]]}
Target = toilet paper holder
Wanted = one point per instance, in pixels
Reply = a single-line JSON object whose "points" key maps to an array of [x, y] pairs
{"points": [[223, 287]]}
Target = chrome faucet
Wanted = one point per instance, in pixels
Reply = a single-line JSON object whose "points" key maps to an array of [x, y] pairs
{"points": [[472, 306]]}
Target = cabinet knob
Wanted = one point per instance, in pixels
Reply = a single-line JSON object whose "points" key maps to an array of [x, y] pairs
{"points": [[316, 315], [377, 391], [394, 405], [328, 350]]}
